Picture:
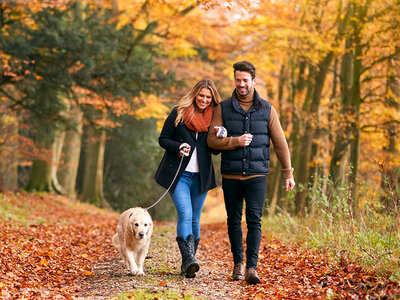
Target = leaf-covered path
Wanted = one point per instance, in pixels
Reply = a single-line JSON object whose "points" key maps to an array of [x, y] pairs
{"points": [[62, 250]]}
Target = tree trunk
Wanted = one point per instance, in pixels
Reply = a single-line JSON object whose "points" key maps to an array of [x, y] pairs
{"points": [[57, 151], [310, 129], [275, 189], [390, 177], [361, 12], [298, 124], [341, 149], [8, 152], [92, 190], [40, 176], [68, 171]]}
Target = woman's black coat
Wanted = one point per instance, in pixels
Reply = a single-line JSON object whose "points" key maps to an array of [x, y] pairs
{"points": [[170, 139]]}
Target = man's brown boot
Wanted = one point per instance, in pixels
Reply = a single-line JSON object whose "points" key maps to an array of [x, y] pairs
{"points": [[238, 271], [251, 276]]}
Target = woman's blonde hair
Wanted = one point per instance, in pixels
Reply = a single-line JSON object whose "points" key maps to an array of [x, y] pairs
{"points": [[190, 97]]}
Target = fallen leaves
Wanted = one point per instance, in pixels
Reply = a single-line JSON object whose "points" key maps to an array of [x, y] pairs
{"points": [[49, 259], [44, 260], [288, 271]]}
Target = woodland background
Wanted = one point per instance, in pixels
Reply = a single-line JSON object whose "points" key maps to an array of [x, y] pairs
{"points": [[86, 85]]}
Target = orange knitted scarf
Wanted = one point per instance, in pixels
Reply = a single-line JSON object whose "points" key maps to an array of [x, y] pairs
{"points": [[196, 121]]}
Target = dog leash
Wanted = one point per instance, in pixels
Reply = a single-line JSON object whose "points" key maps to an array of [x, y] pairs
{"points": [[173, 180]]}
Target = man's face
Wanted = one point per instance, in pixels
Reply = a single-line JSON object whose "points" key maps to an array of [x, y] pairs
{"points": [[244, 83]]}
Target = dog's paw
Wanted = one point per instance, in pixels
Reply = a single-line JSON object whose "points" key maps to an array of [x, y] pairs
{"points": [[140, 273], [134, 271]]}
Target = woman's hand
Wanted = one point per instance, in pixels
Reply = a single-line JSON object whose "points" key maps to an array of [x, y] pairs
{"points": [[184, 149], [220, 131]]}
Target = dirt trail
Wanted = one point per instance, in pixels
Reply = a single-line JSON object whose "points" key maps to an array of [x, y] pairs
{"points": [[162, 271], [287, 272]]}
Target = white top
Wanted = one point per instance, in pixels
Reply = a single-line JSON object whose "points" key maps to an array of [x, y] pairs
{"points": [[193, 165]]}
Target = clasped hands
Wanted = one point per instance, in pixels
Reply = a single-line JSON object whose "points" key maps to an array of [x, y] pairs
{"points": [[244, 139]]}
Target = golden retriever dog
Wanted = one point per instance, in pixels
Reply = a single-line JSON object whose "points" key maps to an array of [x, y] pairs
{"points": [[132, 239]]}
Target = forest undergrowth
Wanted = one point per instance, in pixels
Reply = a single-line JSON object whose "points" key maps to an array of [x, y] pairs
{"points": [[368, 235]]}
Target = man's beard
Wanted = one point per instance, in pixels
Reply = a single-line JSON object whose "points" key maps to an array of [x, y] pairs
{"points": [[247, 92]]}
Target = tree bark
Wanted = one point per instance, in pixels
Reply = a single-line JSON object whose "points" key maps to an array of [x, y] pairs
{"points": [[8, 152], [310, 129], [92, 190], [275, 189], [57, 151], [68, 171], [41, 172], [341, 149]]}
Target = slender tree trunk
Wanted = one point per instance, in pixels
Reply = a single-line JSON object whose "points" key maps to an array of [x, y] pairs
{"points": [[8, 152], [71, 152], [341, 149], [298, 125], [274, 180], [275, 189], [361, 12], [390, 179], [307, 139], [92, 190], [57, 151]]}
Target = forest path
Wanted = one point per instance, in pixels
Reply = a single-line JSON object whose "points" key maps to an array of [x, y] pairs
{"points": [[287, 271], [53, 247]]}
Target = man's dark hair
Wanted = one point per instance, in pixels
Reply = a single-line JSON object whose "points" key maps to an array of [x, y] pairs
{"points": [[245, 66]]}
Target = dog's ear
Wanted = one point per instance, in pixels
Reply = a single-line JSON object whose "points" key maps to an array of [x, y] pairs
{"points": [[150, 231]]}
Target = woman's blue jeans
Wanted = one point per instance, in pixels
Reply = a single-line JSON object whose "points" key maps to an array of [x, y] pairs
{"points": [[189, 203]]}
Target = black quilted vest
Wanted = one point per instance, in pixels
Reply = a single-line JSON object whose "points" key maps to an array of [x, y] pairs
{"points": [[253, 159]]}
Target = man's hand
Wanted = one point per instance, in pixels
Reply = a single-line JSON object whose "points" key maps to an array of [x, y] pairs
{"points": [[289, 184], [245, 139]]}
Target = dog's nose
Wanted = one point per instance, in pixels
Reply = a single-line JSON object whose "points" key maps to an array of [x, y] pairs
{"points": [[141, 235]]}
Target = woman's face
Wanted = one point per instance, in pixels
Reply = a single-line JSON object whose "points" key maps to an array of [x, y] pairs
{"points": [[203, 99]]}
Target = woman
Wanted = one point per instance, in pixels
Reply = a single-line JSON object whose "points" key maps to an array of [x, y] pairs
{"points": [[185, 134]]}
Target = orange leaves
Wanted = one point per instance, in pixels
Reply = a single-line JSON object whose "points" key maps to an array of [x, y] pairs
{"points": [[162, 283], [44, 260], [49, 258], [290, 272]]}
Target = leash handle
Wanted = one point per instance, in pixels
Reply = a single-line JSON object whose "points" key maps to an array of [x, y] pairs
{"points": [[173, 180]]}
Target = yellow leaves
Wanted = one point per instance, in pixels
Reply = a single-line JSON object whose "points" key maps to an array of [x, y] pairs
{"points": [[152, 107], [182, 51]]}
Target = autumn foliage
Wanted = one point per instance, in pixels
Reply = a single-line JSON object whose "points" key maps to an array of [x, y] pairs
{"points": [[51, 244], [58, 243], [86, 85]]}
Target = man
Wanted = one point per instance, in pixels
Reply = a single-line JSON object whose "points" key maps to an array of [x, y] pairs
{"points": [[251, 123]]}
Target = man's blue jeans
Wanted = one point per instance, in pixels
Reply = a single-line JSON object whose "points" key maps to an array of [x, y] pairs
{"points": [[189, 204]]}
